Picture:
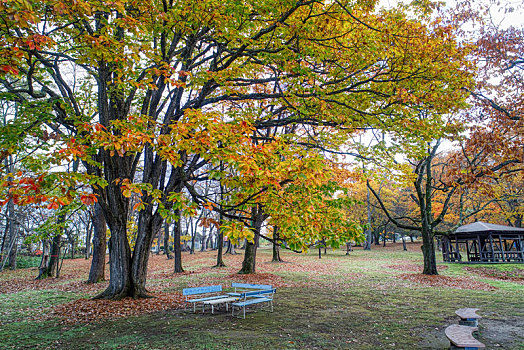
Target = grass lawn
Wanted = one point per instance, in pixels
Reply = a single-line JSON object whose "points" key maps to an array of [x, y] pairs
{"points": [[367, 300]]}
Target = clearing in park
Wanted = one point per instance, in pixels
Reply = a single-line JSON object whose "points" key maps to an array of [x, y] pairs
{"points": [[364, 300]]}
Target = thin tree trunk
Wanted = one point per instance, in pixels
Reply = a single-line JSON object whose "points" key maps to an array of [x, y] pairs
{"points": [[203, 240], [12, 246], [158, 243], [220, 239], [13, 249], [231, 248], [276, 246], [177, 245], [88, 239], [44, 261], [4, 241], [193, 236], [166, 241], [72, 248], [209, 240], [367, 244], [54, 254]]}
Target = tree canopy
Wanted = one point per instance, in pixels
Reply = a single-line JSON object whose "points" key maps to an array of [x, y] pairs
{"points": [[155, 97]]}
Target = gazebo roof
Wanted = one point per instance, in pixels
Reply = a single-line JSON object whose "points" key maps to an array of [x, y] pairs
{"points": [[480, 226]]}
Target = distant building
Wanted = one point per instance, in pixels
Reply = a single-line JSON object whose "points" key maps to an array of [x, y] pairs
{"points": [[484, 243]]}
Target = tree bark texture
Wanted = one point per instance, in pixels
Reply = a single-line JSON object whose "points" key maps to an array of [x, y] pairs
{"points": [[166, 241], [97, 270], [250, 254], [89, 238], [276, 246], [177, 245], [369, 238], [148, 226]]}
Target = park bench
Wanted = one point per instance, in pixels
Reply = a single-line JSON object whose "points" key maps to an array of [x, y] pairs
{"points": [[205, 294], [215, 302], [461, 337], [468, 317], [253, 298], [247, 287]]}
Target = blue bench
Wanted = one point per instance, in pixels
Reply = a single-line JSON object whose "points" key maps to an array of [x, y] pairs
{"points": [[200, 291], [246, 287], [258, 297]]}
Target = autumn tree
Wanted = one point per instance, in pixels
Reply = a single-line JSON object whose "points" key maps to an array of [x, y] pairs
{"points": [[126, 85]]}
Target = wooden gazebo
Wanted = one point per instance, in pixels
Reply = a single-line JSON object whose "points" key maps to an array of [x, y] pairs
{"points": [[481, 242]]}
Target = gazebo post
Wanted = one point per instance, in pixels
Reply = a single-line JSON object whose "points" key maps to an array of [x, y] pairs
{"points": [[521, 249], [459, 257], [502, 248], [491, 247], [477, 248]]}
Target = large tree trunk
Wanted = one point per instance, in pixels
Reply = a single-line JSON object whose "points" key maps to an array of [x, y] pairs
{"points": [[97, 271], [428, 250], [148, 226], [250, 254], [115, 208], [120, 281], [424, 193]]}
